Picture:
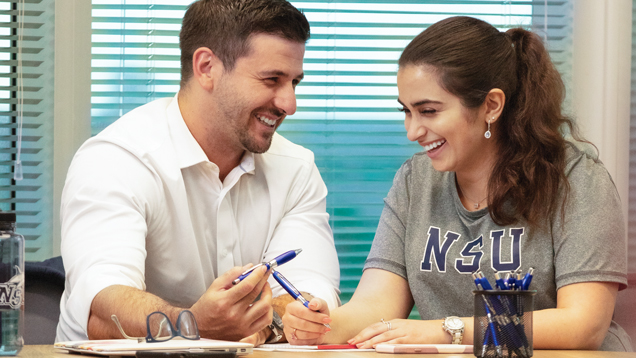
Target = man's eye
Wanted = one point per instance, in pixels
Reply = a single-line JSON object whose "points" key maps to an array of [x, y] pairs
{"points": [[272, 79]]}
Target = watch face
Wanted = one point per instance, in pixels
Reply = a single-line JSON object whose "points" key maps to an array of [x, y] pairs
{"points": [[454, 323]]}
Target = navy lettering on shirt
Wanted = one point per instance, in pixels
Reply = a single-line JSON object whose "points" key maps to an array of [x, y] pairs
{"points": [[436, 250], [497, 236], [471, 254], [470, 261]]}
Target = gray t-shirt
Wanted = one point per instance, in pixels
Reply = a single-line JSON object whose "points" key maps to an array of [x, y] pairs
{"points": [[426, 236]]}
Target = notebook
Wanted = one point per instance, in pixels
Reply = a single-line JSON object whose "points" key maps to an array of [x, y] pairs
{"points": [[128, 347]]}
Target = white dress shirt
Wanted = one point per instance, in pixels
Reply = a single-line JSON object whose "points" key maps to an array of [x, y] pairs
{"points": [[143, 206]]}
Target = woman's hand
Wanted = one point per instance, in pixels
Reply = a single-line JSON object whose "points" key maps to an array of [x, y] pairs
{"points": [[402, 331], [306, 326]]}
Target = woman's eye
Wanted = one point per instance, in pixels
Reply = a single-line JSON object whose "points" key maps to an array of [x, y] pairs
{"points": [[428, 111], [404, 109]]}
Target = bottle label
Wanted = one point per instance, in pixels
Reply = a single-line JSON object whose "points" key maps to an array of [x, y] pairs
{"points": [[11, 291]]}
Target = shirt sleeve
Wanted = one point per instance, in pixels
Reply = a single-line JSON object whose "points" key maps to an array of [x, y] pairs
{"points": [[589, 240], [387, 250], [306, 225], [103, 228]]}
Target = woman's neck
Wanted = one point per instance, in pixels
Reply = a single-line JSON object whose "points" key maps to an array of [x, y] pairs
{"points": [[472, 187]]}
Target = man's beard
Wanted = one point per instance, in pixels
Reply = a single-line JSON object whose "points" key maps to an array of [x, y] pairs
{"points": [[252, 145]]}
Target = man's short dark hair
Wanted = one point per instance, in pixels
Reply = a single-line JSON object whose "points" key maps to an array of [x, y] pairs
{"points": [[224, 26]]}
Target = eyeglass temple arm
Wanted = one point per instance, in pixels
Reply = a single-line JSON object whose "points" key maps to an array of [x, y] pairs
{"points": [[121, 330]]}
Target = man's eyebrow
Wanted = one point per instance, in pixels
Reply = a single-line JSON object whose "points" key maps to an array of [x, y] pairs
{"points": [[278, 73]]}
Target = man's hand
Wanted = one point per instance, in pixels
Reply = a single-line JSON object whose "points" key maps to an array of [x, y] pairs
{"points": [[229, 312], [259, 337]]}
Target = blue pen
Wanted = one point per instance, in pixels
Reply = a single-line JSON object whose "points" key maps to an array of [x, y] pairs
{"points": [[491, 332], [525, 283], [484, 281], [293, 291], [279, 260], [500, 282]]}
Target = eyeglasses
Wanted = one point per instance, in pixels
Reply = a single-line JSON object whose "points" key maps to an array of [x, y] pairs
{"points": [[160, 329]]}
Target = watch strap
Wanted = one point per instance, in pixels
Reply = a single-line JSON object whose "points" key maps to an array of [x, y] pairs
{"points": [[277, 329]]}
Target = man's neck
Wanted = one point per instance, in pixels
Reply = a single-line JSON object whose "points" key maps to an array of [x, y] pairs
{"points": [[212, 140]]}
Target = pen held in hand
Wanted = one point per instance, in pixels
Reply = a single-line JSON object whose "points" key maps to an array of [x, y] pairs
{"points": [[293, 291], [277, 261]]}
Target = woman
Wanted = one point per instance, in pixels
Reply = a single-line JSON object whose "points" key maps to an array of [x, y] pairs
{"points": [[497, 187]]}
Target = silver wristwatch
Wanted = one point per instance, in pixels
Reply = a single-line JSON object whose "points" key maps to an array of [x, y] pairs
{"points": [[455, 326], [277, 328]]}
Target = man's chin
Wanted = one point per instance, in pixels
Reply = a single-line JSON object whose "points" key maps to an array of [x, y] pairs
{"points": [[258, 147]]}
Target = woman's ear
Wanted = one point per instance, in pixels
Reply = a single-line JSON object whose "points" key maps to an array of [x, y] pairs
{"points": [[494, 104], [206, 67]]}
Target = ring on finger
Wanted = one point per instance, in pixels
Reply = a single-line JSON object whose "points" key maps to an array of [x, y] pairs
{"points": [[388, 324]]}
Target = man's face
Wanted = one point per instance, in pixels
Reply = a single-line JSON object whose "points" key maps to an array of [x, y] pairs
{"points": [[255, 97]]}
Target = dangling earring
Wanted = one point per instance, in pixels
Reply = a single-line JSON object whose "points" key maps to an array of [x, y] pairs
{"points": [[488, 134]]}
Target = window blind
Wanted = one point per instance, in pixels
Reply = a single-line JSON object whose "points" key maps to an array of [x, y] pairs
{"points": [[347, 103], [30, 197]]}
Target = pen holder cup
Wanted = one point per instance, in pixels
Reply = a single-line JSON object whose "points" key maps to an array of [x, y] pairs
{"points": [[503, 323]]}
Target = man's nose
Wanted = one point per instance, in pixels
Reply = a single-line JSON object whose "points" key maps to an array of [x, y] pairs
{"points": [[286, 100]]}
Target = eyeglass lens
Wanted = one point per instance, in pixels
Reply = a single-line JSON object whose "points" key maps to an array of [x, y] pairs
{"points": [[160, 329], [187, 325]]}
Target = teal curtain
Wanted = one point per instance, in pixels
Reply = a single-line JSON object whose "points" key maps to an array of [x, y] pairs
{"points": [[26, 120], [347, 109]]}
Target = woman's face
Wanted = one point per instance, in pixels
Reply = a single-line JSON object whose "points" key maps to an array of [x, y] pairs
{"points": [[451, 134]]}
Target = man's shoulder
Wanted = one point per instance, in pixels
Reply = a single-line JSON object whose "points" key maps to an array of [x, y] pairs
{"points": [[143, 128]]}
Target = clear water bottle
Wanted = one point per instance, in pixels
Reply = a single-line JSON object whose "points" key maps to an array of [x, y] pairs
{"points": [[11, 286]]}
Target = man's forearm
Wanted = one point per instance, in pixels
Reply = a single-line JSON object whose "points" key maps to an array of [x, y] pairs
{"points": [[131, 306]]}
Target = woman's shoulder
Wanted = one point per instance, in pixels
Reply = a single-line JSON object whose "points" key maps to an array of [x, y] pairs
{"points": [[581, 154], [584, 165]]}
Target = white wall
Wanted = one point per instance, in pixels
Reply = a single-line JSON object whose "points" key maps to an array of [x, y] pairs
{"points": [[601, 82], [72, 93]]}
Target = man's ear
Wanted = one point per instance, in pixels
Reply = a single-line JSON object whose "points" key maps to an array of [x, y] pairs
{"points": [[206, 68], [494, 104]]}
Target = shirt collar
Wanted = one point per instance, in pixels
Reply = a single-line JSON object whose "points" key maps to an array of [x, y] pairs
{"points": [[189, 152]]}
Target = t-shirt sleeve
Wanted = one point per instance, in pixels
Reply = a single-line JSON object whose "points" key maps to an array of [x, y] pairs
{"points": [[589, 241], [387, 250]]}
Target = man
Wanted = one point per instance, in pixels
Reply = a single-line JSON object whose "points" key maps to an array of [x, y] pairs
{"points": [[164, 208]]}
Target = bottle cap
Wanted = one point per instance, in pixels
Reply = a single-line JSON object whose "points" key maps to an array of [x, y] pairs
{"points": [[6, 216]]}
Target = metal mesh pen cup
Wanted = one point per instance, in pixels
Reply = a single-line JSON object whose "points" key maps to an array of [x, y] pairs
{"points": [[503, 323]]}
